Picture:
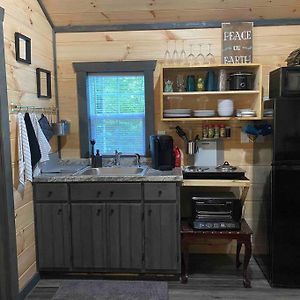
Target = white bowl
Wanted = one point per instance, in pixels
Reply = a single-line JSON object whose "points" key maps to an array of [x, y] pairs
{"points": [[225, 101], [225, 112]]}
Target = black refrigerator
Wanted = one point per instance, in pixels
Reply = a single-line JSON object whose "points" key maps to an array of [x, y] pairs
{"points": [[281, 201]]}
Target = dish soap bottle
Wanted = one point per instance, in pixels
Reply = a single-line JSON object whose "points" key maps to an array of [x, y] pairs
{"points": [[177, 157], [98, 159]]}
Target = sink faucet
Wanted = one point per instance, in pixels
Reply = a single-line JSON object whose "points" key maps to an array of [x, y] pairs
{"points": [[117, 158], [138, 159]]}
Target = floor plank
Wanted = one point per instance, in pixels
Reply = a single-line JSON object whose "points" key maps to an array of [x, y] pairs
{"points": [[211, 277]]}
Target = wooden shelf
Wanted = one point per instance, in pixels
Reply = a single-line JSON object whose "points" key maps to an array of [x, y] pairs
{"points": [[211, 93], [200, 100], [210, 119], [211, 66]]}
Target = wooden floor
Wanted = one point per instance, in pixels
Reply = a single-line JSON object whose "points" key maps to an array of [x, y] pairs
{"points": [[212, 277]]}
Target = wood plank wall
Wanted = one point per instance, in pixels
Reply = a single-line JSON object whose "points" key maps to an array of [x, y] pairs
{"points": [[271, 47], [27, 18]]}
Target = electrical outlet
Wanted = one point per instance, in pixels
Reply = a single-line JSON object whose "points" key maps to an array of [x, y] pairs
{"points": [[161, 132], [244, 138]]}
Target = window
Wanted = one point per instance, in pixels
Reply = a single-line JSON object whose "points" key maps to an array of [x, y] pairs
{"points": [[117, 112], [115, 106]]}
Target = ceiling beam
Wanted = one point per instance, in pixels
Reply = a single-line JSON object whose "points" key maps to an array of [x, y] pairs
{"points": [[168, 26]]}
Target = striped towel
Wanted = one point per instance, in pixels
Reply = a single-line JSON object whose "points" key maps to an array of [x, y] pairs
{"points": [[25, 168]]}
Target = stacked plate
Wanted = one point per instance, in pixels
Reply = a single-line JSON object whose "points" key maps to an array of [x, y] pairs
{"points": [[177, 113], [204, 113], [246, 112], [268, 112]]}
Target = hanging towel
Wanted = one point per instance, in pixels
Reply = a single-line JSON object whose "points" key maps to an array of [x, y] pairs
{"points": [[44, 146], [33, 142], [46, 127], [25, 168]]}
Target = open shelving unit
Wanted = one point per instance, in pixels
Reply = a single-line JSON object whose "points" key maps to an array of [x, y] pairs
{"points": [[209, 99]]}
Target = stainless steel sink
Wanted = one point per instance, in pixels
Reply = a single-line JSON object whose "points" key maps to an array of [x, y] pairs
{"points": [[114, 171]]}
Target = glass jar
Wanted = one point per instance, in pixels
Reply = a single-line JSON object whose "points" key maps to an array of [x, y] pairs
{"points": [[205, 131], [211, 131], [217, 131], [222, 131], [227, 131]]}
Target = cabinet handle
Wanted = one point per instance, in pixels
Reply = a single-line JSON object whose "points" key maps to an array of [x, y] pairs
{"points": [[49, 193], [159, 193], [149, 212], [98, 194], [111, 211], [98, 211], [59, 211], [111, 193]]}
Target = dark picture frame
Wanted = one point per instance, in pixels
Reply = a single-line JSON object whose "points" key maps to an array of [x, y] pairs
{"points": [[23, 48], [43, 82]]}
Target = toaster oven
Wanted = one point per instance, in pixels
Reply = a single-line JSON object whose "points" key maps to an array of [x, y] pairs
{"points": [[216, 211]]}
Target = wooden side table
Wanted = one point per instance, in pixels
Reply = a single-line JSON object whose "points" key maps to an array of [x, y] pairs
{"points": [[189, 236]]}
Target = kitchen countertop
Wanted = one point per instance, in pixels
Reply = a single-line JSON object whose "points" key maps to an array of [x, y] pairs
{"points": [[151, 175]]}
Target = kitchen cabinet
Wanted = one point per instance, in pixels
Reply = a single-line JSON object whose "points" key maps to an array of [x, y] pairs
{"points": [[88, 235], [208, 100], [53, 236], [161, 237], [106, 235], [52, 225], [161, 227], [124, 236], [108, 227]]}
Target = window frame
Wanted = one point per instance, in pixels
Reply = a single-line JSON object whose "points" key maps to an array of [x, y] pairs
{"points": [[82, 70]]}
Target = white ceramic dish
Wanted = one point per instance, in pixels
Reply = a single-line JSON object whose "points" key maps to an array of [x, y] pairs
{"points": [[178, 111], [176, 115]]}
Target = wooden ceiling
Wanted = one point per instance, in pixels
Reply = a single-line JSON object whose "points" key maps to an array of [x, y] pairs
{"points": [[114, 12]]}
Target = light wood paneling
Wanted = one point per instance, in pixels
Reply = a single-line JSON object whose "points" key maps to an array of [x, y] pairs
{"points": [[97, 12], [27, 275], [271, 46], [27, 18]]}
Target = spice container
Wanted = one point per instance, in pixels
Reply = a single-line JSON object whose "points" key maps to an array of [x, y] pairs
{"points": [[222, 131], [205, 131], [217, 131], [211, 131], [227, 131]]}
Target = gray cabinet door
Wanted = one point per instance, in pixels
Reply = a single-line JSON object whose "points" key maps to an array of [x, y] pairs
{"points": [[53, 236], [124, 236], [161, 236], [88, 236]]}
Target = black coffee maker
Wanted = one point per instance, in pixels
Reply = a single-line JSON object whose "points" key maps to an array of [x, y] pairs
{"points": [[161, 148]]}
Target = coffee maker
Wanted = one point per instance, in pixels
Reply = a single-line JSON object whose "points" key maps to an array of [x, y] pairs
{"points": [[161, 148]]}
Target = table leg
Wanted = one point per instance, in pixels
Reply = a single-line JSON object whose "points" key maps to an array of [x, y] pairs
{"points": [[237, 257], [248, 252], [184, 264]]}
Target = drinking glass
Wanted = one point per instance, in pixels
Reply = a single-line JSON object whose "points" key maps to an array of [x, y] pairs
{"points": [[175, 55], [191, 56], [180, 82], [167, 56], [200, 59], [183, 54], [210, 59]]}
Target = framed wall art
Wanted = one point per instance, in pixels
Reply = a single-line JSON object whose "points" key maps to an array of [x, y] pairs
{"points": [[43, 82], [23, 48]]}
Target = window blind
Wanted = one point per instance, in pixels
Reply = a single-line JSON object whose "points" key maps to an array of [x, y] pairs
{"points": [[117, 112]]}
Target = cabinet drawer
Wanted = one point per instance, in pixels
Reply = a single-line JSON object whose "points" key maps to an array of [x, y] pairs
{"points": [[105, 191], [160, 191], [51, 192]]}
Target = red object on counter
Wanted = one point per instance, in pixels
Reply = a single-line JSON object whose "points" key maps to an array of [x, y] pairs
{"points": [[177, 155]]}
